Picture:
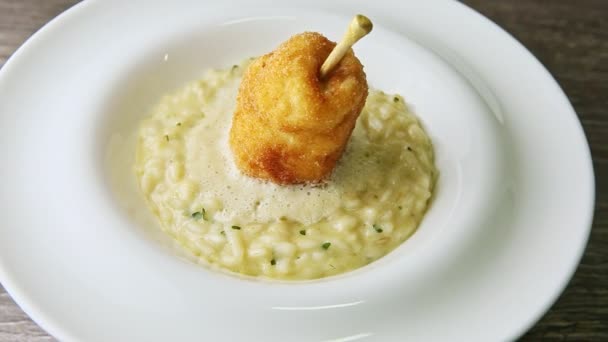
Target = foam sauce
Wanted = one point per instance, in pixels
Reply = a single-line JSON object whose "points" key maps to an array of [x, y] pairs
{"points": [[209, 161]]}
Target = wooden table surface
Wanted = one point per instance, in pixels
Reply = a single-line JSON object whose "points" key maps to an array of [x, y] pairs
{"points": [[570, 37]]}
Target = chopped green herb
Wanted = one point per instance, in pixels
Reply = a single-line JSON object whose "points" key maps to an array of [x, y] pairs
{"points": [[273, 262], [400, 207], [167, 137], [200, 215], [326, 245], [223, 232], [179, 123], [234, 67], [332, 266], [395, 99], [302, 232], [377, 228], [236, 227], [409, 148]]}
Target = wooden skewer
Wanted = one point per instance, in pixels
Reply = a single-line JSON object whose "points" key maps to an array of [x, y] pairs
{"points": [[359, 27]]}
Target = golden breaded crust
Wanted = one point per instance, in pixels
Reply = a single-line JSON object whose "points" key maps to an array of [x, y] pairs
{"points": [[289, 126]]}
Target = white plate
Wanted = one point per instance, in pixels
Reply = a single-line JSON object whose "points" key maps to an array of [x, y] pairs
{"points": [[502, 239]]}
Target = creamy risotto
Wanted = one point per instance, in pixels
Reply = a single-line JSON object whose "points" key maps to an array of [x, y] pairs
{"points": [[374, 200]]}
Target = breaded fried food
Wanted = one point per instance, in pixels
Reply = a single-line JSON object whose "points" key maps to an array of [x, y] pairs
{"points": [[290, 126]]}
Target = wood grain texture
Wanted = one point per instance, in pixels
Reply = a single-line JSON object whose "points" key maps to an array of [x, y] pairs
{"points": [[569, 37]]}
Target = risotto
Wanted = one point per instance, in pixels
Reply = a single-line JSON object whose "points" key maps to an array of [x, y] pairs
{"points": [[374, 200]]}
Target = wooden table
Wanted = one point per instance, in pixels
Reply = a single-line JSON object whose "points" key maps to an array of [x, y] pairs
{"points": [[570, 37]]}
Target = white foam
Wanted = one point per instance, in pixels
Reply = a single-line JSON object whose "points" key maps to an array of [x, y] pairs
{"points": [[209, 161]]}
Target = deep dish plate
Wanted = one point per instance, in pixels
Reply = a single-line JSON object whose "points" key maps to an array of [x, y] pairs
{"points": [[504, 235]]}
